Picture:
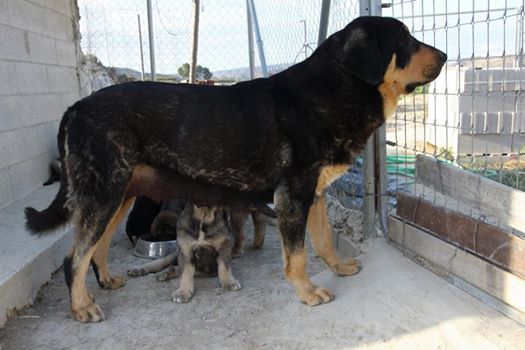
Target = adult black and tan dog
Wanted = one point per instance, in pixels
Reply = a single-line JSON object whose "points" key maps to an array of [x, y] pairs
{"points": [[289, 136]]}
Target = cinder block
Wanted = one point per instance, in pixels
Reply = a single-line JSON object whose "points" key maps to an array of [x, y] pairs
{"points": [[66, 53], [25, 110], [4, 15], [60, 6], [29, 175], [8, 84], [62, 79], [6, 191], [69, 99], [42, 49], [14, 45], [35, 18], [26, 143], [31, 78]]}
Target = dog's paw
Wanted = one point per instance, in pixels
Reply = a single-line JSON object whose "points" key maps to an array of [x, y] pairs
{"points": [[137, 271], [237, 253], [166, 275], [182, 296], [113, 282], [347, 268], [232, 284], [90, 313], [316, 296]]}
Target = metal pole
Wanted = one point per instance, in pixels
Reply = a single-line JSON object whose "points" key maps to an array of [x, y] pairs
{"points": [[380, 151], [251, 49], [323, 24], [260, 47], [195, 42], [141, 51], [519, 36], [369, 163], [151, 43]]}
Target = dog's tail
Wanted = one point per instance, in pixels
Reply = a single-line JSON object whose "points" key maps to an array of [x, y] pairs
{"points": [[56, 215]]}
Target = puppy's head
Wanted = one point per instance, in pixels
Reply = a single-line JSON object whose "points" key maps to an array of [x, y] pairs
{"points": [[381, 50]]}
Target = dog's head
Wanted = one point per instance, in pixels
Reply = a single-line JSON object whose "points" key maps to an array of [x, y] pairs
{"points": [[381, 50]]}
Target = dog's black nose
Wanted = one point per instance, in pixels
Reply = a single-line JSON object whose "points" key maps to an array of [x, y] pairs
{"points": [[442, 56]]}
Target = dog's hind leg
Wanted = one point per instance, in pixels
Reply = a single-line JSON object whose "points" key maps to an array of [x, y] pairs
{"points": [[322, 241], [238, 218], [91, 225], [99, 261], [292, 212], [258, 223]]}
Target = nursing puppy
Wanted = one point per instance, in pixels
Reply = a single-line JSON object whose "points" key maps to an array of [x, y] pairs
{"points": [[203, 235]]}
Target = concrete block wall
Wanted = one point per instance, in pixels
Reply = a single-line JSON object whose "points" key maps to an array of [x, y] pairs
{"points": [[38, 81]]}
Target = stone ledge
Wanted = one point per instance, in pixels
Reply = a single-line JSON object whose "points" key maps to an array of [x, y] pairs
{"points": [[26, 261]]}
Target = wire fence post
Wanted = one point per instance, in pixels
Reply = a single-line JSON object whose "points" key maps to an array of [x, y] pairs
{"points": [[195, 42], [380, 157], [151, 42], [141, 50], [369, 208], [251, 49], [260, 47], [323, 24]]}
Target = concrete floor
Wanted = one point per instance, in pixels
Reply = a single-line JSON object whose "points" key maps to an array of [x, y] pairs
{"points": [[391, 304]]}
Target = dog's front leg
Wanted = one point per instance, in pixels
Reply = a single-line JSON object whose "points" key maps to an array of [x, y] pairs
{"points": [[226, 278], [185, 291], [292, 212]]}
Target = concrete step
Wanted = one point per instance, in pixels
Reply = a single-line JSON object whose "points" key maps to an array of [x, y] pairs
{"points": [[26, 261]]}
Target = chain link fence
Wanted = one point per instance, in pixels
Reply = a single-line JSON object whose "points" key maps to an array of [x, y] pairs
{"points": [[289, 30], [113, 38], [472, 115]]}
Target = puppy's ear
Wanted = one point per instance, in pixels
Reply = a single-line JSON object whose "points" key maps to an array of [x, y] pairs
{"points": [[362, 56]]}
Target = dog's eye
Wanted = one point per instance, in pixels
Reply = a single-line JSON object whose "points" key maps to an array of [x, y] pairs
{"points": [[204, 228]]}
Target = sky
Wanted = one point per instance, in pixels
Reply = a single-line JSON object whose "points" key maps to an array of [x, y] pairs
{"points": [[110, 29]]}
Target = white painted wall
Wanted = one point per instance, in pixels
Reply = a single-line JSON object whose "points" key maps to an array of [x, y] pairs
{"points": [[38, 81]]}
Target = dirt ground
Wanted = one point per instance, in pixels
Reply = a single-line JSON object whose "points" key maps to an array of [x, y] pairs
{"points": [[142, 315], [392, 303]]}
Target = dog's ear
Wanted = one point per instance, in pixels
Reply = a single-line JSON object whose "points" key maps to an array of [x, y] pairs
{"points": [[362, 56]]}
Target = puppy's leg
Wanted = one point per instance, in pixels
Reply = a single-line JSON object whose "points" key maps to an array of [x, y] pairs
{"points": [[171, 272], [226, 279], [185, 291], [321, 234], [153, 266], [291, 213], [238, 218], [258, 223], [99, 261]]}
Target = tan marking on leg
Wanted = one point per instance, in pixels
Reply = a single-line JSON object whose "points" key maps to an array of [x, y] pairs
{"points": [[258, 223], [295, 270], [171, 272], [328, 175], [322, 241], [185, 291], [153, 266], [226, 279], [82, 306], [100, 256]]}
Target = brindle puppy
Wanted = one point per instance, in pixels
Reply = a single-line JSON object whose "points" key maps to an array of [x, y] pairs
{"points": [[202, 233]]}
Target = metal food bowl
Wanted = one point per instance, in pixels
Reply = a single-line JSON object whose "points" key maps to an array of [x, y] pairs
{"points": [[148, 247]]}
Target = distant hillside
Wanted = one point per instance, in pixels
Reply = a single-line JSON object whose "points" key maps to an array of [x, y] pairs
{"points": [[237, 74], [136, 74], [243, 73]]}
